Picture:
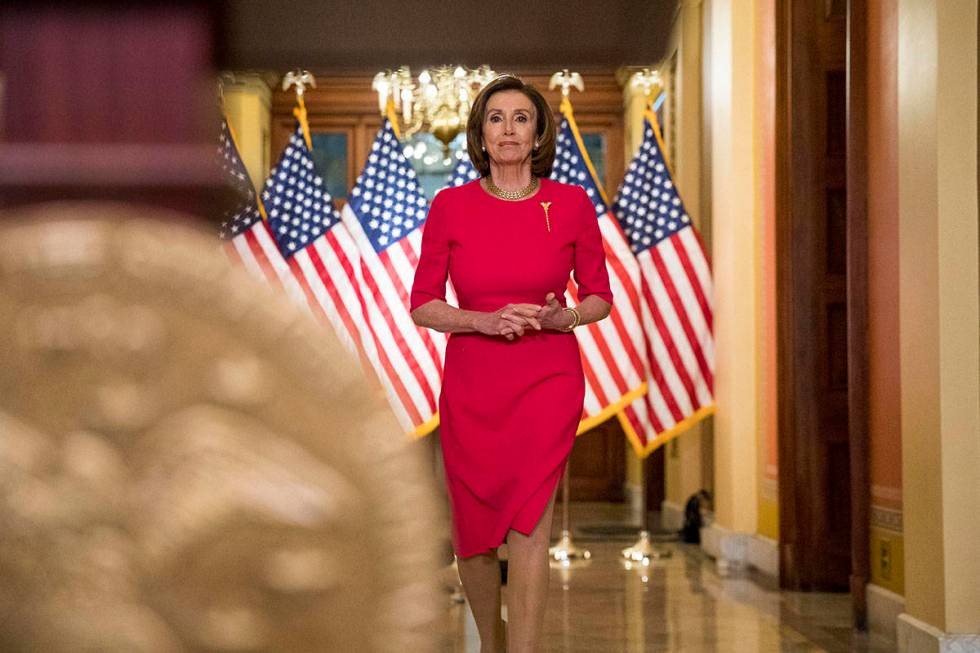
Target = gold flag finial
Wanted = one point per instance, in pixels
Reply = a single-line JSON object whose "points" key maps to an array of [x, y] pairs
{"points": [[300, 79], [225, 77], [566, 80], [648, 81]]}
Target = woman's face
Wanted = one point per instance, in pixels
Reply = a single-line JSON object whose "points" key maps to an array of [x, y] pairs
{"points": [[509, 127]]}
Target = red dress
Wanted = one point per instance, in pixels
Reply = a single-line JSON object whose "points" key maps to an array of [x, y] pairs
{"points": [[508, 410]]}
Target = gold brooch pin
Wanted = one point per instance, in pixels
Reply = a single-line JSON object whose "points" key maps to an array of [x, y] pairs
{"points": [[547, 221]]}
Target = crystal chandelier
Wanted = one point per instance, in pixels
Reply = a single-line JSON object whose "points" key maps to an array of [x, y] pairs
{"points": [[439, 102]]}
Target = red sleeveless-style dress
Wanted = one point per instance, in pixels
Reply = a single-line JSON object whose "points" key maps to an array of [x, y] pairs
{"points": [[508, 410]]}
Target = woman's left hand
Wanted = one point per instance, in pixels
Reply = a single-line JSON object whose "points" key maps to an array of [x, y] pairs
{"points": [[551, 315]]}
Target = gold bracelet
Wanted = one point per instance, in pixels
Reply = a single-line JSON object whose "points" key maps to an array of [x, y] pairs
{"points": [[576, 319]]}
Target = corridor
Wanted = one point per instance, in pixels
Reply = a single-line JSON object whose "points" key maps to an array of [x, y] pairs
{"points": [[680, 603]]}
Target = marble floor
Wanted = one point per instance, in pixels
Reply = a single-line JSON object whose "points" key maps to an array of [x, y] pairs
{"points": [[680, 603]]}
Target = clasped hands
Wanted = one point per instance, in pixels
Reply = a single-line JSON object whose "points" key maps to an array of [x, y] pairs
{"points": [[512, 320]]}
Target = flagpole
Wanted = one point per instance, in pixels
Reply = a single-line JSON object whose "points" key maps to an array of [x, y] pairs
{"points": [[643, 550], [565, 550], [300, 79]]}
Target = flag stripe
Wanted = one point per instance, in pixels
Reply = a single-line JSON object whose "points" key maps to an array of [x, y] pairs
{"points": [[408, 246], [311, 301], [683, 317], [270, 249], [676, 296], [666, 350], [607, 380], [615, 347], [593, 381], [595, 349], [591, 404], [685, 292], [694, 249], [399, 269], [239, 252], [692, 278], [662, 348], [597, 377], [625, 302], [654, 410], [412, 341], [384, 215], [397, 337], [692, 351], [255, 253], [323, 293], [608, 359], [383, 365], [695, 252], [328, 296]]}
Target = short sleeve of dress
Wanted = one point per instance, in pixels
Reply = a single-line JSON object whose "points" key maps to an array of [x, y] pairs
{"points": [[590, 257], [432, 270]]}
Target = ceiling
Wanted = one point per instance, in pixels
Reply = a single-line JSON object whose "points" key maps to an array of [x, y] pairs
{"points": [[371, 35]]}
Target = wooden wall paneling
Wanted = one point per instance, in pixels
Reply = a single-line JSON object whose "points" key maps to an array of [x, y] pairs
{"points": [[348, 100], [814, 451], [597, 466]]}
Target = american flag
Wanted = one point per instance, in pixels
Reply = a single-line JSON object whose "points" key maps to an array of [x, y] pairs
{"points": [[385, 214], [612, 349], [248, 240], [677, 296], [463, 172], [319, 253]]}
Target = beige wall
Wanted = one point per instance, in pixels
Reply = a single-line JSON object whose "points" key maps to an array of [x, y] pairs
{"points": [[938, 311], [884, 377], [247, 103]]}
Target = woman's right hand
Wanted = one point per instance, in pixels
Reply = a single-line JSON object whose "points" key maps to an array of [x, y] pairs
{"points": [[509, 321]]}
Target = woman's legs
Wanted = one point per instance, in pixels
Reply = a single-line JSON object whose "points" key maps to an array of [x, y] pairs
{"points": [[527, 583], [481, 582]]}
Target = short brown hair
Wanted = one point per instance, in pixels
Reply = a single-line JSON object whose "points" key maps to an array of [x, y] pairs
{"points": [[543, 158]]}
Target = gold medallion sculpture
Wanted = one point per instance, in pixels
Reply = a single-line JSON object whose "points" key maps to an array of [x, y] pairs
{"points": [[186, 462]]}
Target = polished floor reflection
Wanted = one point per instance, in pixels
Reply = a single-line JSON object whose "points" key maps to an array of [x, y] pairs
{"points": [[680, 603]]}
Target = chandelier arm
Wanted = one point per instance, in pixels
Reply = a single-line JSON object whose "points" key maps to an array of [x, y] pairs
{"points": [[435, 101]]}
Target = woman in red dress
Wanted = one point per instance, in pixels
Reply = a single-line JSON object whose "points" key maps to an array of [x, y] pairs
{"points": [[513, 385]]}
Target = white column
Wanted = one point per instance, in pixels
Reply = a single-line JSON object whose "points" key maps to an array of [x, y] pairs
{"points": [[939, 311], [735, 216]]}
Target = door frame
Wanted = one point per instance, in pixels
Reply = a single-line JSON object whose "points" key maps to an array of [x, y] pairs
{"points": [[857, 305], [797, 415]]}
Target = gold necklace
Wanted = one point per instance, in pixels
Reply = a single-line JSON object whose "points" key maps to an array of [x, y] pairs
{"points": [[511, 194]]}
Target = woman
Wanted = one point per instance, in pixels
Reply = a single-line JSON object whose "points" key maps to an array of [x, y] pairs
{"points": [[513, 386]]}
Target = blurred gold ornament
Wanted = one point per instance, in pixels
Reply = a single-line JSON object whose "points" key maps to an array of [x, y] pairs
{"points": [[186, 462]]}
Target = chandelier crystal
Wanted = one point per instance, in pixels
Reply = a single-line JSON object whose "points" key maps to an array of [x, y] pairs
{"points": [[438, 102]]}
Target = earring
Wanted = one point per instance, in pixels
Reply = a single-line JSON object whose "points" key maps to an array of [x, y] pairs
{"points": [[537, 145], [483, 147]]}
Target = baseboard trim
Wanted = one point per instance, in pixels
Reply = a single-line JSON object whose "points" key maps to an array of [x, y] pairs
{"points": [[884, 607], [764, 555], [735, 551], [671, 516], [916, 636], [727, 547]]}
